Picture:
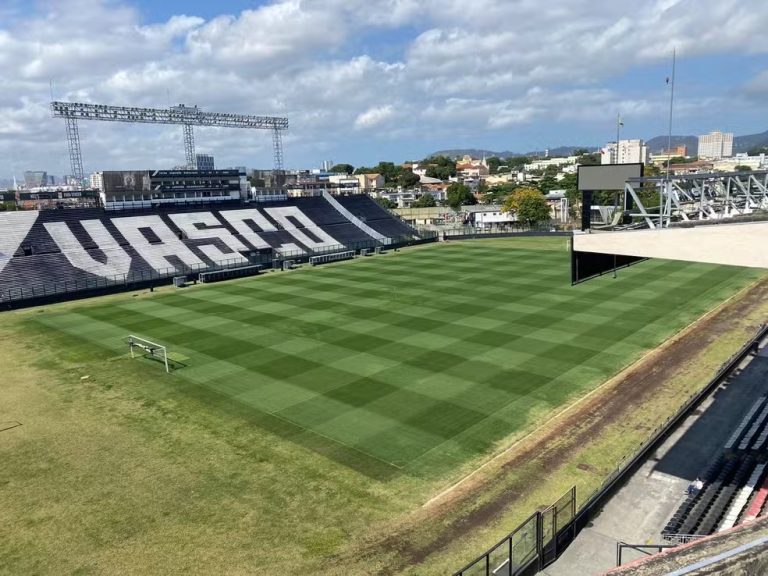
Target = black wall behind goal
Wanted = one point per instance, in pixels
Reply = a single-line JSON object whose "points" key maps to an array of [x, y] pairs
{"points": [[587, 265]]}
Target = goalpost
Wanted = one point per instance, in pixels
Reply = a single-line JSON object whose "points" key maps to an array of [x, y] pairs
{"points": [[148, 347]]}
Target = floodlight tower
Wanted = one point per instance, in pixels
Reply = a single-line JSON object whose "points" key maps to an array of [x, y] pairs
{"points": [[187, 116]]}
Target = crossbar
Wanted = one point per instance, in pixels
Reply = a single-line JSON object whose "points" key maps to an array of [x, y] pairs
{"points": [[148, 346]]}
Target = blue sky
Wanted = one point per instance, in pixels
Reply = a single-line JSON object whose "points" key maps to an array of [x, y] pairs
{"points": [[369, 80]]}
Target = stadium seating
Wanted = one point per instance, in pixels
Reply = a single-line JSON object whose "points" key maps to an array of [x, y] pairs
{"points": [[377, 217], [730, 482], [63, 251]]}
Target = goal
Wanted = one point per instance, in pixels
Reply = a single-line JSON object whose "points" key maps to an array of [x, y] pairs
{"points": [[147, 348]]}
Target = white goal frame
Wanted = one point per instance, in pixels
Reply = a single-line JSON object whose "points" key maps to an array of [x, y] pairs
{"points": [[148, 346]]}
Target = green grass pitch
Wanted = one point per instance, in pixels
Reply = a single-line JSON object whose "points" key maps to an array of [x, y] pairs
{"points": [[410, 362]]}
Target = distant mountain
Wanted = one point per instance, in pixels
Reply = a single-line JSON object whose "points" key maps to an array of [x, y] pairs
{"points": [[740, 143], [479, 152], [474, 152], [745, 143], [659, 143], [655, 145]]}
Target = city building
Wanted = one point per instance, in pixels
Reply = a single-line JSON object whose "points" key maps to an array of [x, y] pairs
{"points": [[143, 189], [559, 162], [35, 178], [96, 181], [698, 167], [56, 197], [488, 216], [740, 160], [716, 145], [469, 167], [370, 181], [661, 157], [627, 152], [204, 162], [343, 184], [419, 169]]}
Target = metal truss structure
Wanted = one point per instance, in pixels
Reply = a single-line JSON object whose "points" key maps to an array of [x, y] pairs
{"points": [[660, 201], [187, 116]]}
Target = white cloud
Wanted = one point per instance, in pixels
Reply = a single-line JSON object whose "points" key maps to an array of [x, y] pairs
{"points": [[343, 69], [374, 117]]}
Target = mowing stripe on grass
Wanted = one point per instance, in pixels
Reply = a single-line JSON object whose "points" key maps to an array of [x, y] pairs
{"points": [[419, 359]]}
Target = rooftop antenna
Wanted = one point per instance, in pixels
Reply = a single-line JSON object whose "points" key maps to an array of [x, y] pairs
{"points": [[671, 105], [667, 183]]}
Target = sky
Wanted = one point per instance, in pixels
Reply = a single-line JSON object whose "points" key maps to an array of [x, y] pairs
{"points": [[368, 80]]}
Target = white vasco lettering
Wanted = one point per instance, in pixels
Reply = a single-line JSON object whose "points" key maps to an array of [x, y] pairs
{"points": [[238, 217], [186, 223], [156, 254], [14, 227], [118, 261], [282, 213]]}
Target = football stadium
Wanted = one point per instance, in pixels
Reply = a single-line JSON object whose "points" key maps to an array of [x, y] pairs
{"points": [[310, 385]]}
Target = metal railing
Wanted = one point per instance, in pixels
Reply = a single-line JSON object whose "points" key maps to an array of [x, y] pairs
{"points": [[538, 541], [645, 549], [58, 290], [567, 527], [682, 538], [632, 459]]}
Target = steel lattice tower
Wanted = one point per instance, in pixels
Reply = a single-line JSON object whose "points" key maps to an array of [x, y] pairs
{"points": [[73, 141], [187, 116]]}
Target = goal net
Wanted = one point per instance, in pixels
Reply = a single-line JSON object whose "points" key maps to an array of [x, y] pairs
{"points": [[148, 349]]}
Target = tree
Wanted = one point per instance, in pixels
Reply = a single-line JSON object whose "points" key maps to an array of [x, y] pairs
{"points": [[440, 167], [743, 168], [683, 159], [589, 159], [518, 162], [425, 201], [548, 183], [757, 151], [256, 182], [652, 170], [459, 195], [343, 168], [386, 203], [529, 205], [407, 179], [493, 164]]}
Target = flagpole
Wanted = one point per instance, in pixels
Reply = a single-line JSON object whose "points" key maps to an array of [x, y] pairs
{"points": [[618, 128]]}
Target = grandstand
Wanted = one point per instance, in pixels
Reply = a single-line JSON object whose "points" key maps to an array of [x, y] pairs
{"points": [[60, 253], [735, 484]]}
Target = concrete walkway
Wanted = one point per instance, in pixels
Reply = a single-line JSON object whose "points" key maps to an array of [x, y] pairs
{"points": [[641, 507]]}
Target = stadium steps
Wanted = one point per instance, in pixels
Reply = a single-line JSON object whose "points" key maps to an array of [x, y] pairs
{"points": [[722, 499], [358, 222], [741, 498], [748, 419], [751, 434], [730, 472], [758, 502], [688, 514], [375, 216]]}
